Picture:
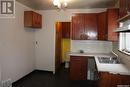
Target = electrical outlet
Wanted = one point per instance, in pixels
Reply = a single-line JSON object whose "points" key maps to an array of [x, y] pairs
{"points": [[7, 83]]}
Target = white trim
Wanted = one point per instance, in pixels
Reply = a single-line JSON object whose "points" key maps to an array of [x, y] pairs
{"points": [[124, 52], [115, 54]]}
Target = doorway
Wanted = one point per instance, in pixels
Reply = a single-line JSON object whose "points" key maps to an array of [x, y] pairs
{"points": [[62, 45]]}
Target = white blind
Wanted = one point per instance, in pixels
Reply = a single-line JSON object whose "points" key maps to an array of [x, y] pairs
{"points": [[124, 42], [127, 42]]}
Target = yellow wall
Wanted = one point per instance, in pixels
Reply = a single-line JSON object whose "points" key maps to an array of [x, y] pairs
{"points": [[65, 45]]}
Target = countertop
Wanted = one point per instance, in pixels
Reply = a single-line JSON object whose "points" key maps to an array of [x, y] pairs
{"points": [[90, 54], [111, 68]]}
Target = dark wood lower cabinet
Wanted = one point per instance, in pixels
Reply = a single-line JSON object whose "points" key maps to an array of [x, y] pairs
{"points": [[103, 80], [78, 68], [113, 80]]}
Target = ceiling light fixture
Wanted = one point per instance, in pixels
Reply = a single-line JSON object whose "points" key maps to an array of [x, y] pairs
{"points": [[60, 4]]}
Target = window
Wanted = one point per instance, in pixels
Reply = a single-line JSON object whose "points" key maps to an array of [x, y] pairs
{"points": [[124, 42]]}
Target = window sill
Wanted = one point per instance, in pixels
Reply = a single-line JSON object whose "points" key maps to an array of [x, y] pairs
{"points": [[124, 52]]}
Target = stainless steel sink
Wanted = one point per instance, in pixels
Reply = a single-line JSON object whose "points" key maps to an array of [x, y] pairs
{"points": [[109, 60]]}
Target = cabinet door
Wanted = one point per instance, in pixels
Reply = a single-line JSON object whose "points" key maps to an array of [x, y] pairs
{"points": [[125, 79], [116, 80], [35, 19], [78, 68], [104, 80], [113, 15], [77, 27], [32, 19], [119, 80], [123, 8], [128, 5], [28, 15], [90, 26], [39, 21], [102, 26], [66, 29], [84, 68], [113, 80]]}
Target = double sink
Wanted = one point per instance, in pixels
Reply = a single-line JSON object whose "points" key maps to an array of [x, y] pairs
{"points": [[109, 60], [101, 59]]}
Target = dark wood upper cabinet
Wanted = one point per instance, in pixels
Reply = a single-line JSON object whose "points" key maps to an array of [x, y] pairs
{"points": [[128, 5], [32, 19], [66, 27], [77, 27], [90, 26], [102, 26], [78, 68], [107, 23], [84, 27], [113, 16], [124, 10], [95, 26]]}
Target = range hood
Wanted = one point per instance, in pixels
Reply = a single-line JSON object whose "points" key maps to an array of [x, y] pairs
{"points": [[123, 29]]}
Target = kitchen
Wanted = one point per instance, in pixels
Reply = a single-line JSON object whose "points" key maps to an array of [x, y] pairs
{"points": [[38, 52]]}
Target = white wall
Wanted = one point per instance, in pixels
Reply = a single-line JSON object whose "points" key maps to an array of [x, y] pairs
{"points": [[16, 46], [45, 50], [17, 52], [91, 46], [0, 69]]}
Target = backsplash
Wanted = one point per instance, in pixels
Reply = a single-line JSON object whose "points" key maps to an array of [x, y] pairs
{"points": [[91, 46]]}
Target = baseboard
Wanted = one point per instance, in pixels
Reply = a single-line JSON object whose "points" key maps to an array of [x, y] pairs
{"points": [[23, 77], [34, 71]]}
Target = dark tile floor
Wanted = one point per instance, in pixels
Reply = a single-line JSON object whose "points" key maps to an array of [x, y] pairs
{"points": [[47, 79]]}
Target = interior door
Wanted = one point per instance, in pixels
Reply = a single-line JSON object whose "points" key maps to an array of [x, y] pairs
{"points": [[58, 45]]}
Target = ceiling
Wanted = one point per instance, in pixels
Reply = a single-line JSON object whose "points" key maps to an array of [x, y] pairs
{"points": [[72, 4]]}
